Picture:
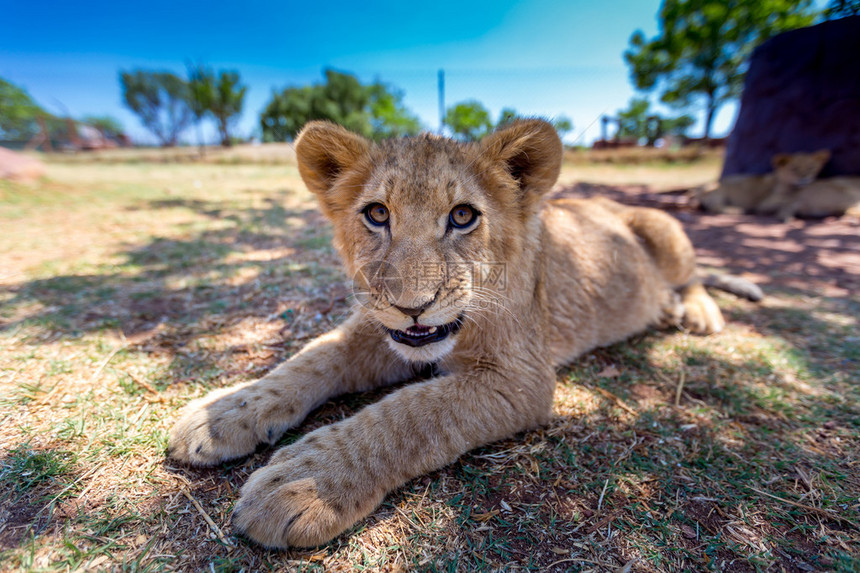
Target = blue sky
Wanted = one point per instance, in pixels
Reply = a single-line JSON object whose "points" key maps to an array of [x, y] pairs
{"points": [[542, 57]]}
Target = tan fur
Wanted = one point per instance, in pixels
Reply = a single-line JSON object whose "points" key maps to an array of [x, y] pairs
{"points": [[821, 198], [578, 274], [748, 192]]}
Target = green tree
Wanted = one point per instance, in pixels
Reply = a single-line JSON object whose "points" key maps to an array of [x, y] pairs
{"points": [[639, 121], [287, 112], [469, 120], [108, 125], [201, 93], [633, 121], [679, 125], [563, 125], [220, 96], [160, 100], [375, 110], [699, 55], [841, 9], [229, 97], [344, 100], [18, 113], [507, 115], [388, 116]]}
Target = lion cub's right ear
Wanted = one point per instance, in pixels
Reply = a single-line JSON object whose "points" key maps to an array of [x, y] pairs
{"points": [[822, 156], [529, 151], [327, 154]]}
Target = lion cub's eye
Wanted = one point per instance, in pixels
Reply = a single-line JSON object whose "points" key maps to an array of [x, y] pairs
{"points": [[376, 214], [462, 216]]}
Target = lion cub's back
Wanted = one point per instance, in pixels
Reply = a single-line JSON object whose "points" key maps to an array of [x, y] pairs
{"points": [[831, 196], [602, 285]]}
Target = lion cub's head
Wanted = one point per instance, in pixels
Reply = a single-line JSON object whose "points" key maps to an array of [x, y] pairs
{"points": [[432, 230], [799, 168]]}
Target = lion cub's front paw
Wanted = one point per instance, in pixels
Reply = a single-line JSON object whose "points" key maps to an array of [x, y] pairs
{"points": [[229, 423], [305, 497], [701, 313]]}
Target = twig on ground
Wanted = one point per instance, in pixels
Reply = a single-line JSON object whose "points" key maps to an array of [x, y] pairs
{"points": [[70, 486], [143, 384], [680, 388], [104, 363], [602, 493], [606, 393], [819, 511], [212, 524], [95, 474], [554, 563], [406, 517], [603, 522]]}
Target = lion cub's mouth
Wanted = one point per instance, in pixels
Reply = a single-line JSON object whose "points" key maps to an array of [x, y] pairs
{"points": [[419, 335]]}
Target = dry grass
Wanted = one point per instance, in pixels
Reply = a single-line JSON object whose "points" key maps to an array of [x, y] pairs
{"points": [[644, 155], [268, 154], [128, 288], [658, 174]]}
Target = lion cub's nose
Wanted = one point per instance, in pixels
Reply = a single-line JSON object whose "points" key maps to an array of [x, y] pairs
{"points": [[413, 312]]}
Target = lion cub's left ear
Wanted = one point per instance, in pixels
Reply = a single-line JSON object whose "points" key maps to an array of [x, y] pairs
{"points": [[530, 152], [329, 158]]}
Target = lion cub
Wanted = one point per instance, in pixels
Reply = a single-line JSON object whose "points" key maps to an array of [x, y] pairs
{"points": [[821, 198], [748, 192], [460, 262]]}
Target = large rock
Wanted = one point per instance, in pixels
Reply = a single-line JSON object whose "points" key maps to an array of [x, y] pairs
{"points": [[802, 93], [19, 167]]}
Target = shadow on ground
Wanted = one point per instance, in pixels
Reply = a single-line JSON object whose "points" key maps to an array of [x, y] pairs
{"points": [[34, 484], [818, 256], [685, 484], [268, 265]]}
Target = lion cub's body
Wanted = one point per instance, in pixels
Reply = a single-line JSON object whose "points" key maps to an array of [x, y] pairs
{"points": [[614, 266], [577, 274], [752, 193], [821, 198]]}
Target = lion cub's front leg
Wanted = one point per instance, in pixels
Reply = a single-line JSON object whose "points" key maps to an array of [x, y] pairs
{"points": [[230, 422], [316, 488]]}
